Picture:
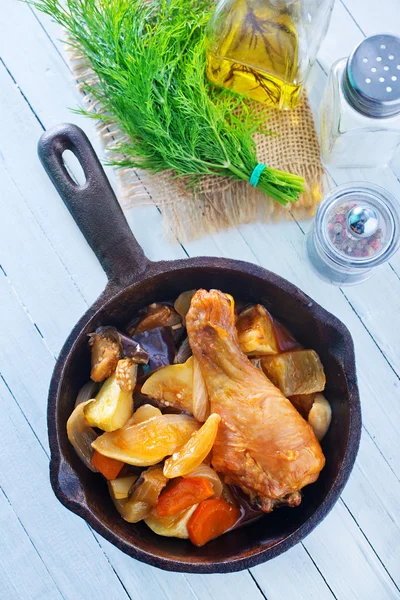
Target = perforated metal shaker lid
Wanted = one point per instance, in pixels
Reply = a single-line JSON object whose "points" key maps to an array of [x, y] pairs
{"points": [[371, 80]]}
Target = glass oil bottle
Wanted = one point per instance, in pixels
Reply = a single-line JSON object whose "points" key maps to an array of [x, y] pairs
{"points": [[263, 49]]}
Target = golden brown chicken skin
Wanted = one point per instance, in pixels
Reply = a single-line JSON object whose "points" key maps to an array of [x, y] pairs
{"points": [[263, 444]]}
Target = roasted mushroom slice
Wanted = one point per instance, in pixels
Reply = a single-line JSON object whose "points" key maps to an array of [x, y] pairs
{"points": [[126, 374], [296, 372], [108, 346], [143, 495], [106, 351], [256, 332], [155, 315]]}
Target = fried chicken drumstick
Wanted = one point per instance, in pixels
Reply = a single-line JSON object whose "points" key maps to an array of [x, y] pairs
{"points": [[263, 444]]}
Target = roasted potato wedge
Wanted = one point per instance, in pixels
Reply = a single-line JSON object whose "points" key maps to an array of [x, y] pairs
{"points": [[256, 332], [296, 372], [111, 408], [172, 386]]}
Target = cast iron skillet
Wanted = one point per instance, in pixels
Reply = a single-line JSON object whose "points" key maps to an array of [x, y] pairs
{"points": [[134, 282]]}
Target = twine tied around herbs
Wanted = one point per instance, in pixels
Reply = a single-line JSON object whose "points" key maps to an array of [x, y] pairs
{"points": [[256, 174], [218, 203]]}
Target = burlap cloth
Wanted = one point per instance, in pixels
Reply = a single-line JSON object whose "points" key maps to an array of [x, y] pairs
{"points": [[219, 203]]}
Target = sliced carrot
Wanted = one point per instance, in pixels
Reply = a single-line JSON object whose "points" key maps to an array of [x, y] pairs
{"points": [[183, 494], [211, 519], [109, 467]]}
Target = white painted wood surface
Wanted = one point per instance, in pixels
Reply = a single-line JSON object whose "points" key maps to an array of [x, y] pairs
{"points": [[49, 276]]}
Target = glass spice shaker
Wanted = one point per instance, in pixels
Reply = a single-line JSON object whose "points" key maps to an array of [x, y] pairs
{"points": [[360, 109], [356, 228]]}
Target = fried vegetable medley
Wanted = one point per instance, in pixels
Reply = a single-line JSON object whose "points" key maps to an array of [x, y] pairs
{"points": [[201, 416]]}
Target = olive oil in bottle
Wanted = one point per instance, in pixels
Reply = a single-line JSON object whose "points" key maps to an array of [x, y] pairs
{"points": [[255, 50]]}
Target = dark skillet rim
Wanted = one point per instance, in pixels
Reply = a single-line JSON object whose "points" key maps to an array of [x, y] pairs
{"points": [[258, 556]]}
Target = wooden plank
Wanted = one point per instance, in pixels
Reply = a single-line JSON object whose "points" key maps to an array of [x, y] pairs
{"points": [[31, 263], [223, 247], [148, 582], [342, 37], [23, 573], [349, 564], [380, 17], [289, 573], [59, 537], [375, 506]]}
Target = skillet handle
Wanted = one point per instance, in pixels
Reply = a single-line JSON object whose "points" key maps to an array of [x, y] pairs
{"points": [[93, 204]]}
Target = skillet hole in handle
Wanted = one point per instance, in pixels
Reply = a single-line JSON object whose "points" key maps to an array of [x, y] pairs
{"points": [[74, 168]]}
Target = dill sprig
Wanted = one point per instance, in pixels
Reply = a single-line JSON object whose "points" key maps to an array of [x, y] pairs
{"points": [[150, 61]]}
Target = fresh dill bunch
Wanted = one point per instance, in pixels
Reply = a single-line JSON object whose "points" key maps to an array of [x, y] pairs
{"points": [[150, 60]]}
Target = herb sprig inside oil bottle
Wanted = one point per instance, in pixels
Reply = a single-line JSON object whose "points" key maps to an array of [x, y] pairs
{"points": [[263, 49]]}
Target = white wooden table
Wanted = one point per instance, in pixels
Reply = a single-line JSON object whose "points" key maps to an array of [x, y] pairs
{"points": [[49, 276]]}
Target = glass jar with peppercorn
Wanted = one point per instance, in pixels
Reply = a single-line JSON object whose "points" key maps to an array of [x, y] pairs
{"points": [[356, 228]]}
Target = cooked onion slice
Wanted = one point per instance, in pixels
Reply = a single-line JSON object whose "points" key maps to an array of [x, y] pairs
{"points": [[182, 303], [212, 476], [184, 352], [81, 435], [87, 392], [144, 413], [149, 442], [172, 526], [120, 487], [193, 453], [201, 403]]}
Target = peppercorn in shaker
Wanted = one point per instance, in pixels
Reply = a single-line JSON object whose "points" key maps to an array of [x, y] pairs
{"points": [[356, 228], [360, 109]]}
